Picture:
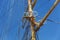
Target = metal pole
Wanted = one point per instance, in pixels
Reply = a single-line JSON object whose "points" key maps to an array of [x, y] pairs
{"points": [[31, 19]]}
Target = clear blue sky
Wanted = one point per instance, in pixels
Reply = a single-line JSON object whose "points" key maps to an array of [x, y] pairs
{"points": [[11, 12]]}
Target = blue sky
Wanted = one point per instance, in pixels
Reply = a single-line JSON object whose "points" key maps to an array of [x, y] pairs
{"points": [[11, 12]]}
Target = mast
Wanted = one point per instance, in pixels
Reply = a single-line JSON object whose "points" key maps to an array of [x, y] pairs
{"points": [[31, 19]]}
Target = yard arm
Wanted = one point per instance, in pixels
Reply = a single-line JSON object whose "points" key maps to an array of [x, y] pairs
{"points": [[46, 16]]}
